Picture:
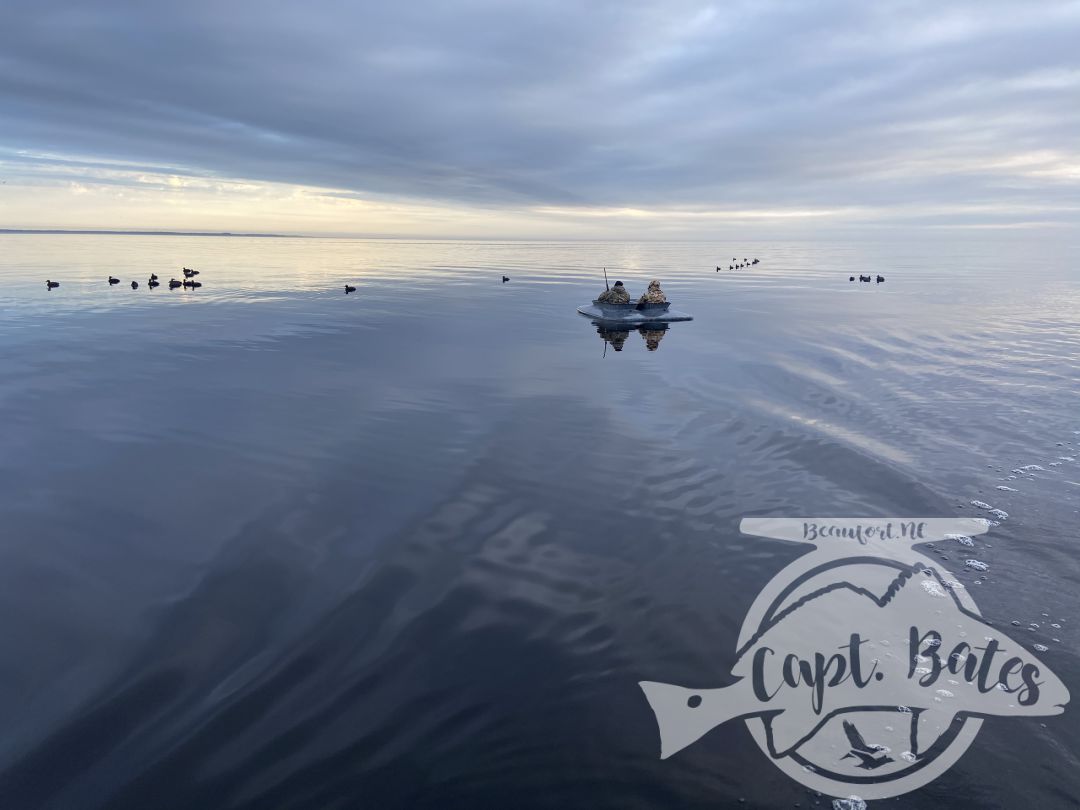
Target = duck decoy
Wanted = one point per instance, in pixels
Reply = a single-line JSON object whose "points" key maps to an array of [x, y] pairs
{"points": [[755, 261], [173, 284], [134, 285], [196, 284], [51, 285], [505, 279], [852, 278], [189, 283], [113, 280], [189, 273], [349, 289], [153, 282], [717, 268], [880, 279], [865, 278]]}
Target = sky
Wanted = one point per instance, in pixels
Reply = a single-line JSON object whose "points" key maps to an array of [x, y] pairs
{"points": [[554, 119]]}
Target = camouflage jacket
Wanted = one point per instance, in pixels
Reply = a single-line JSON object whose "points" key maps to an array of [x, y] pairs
{"points": [[616, 295], [654, 295]]}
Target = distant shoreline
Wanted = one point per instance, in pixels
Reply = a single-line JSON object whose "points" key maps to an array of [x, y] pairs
{"points": [[154, 233]]}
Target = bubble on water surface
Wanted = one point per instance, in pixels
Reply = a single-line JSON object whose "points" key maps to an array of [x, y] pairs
{"points": [[962, 539], [932, 588]]}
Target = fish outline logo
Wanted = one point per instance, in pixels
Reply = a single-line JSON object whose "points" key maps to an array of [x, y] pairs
{"points": [[863, 666]]}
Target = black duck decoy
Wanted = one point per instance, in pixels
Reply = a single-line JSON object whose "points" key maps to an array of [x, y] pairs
{"points": [[349, 289], [51, 285], [189, 284], [173, 283], [865, 278], [880, 279], [505, 279], [152, 283], [113, 280], [153, 276], [196, 284], [852, 278], [188, 273], [134, 285]]}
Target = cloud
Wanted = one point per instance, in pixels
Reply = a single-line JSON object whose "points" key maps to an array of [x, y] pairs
{"points": [[677, 109]]}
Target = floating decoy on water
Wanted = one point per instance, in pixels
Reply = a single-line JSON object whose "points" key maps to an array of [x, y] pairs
{"points": [[153, 276], [196, 284], [505, 279], [173, 283], [349, 289], [153, 282], [755, 261], [852, 278], [880, 279], [189, 284], [865, 278], [188, 273], [134, 285], [113, 280], [51, 284]]}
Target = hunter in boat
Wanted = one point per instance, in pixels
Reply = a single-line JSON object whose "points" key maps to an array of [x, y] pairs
{"points": [[615, 304], [654, 295], [616, 295]]}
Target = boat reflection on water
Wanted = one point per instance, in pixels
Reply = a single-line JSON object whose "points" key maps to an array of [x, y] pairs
{"points": [[615, 335], [615, 322]]}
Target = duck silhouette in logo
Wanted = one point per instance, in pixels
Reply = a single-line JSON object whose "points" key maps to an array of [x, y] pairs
{"points": [[869, 756]]}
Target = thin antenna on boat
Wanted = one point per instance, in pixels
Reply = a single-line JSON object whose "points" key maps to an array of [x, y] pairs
{"points": [[606, 285]]}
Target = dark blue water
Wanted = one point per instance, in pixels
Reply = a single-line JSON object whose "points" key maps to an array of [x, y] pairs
{"points": [[266, 545]]}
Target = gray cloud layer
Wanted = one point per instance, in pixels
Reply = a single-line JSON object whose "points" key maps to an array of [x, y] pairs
{"points": [[626, 103]]}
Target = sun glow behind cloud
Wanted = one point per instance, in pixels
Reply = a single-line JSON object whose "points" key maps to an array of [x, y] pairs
{"points": [[78, 193]]}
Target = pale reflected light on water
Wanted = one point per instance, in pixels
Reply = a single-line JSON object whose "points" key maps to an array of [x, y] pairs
{"points": [[266, 544]]}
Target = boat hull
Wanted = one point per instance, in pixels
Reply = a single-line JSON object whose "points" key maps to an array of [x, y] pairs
{"points": [[633, 313]]}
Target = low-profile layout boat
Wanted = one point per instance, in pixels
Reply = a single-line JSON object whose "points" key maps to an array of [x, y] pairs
{"points": [[633, 312]]}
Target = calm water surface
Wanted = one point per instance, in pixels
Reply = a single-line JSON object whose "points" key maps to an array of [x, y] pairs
{"points": [[266, 545]]}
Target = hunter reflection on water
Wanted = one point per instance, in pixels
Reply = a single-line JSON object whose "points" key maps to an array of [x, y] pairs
{"points": [[265, 544], [615, 336]]}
